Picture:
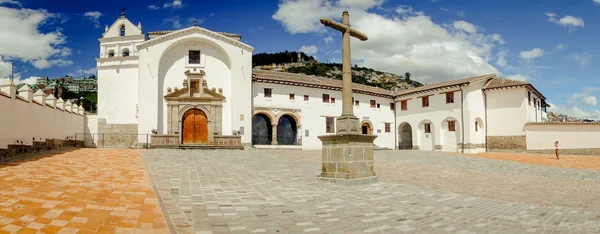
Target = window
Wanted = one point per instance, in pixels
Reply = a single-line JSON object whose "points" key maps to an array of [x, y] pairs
{"points": [[329, 125], [387, 127], [122, 30], [125, 52], [529, 97], [332, 100], [425, 101], [306, 98], [392, 106], [111, 53], [476, 127], [325, 98], [378, 105], [404, 105], [194, 57], [427, 127], [352, 99], [292, 96], [356, 103], [267, 92], [451, 126], [450, 97], [373, 103]]}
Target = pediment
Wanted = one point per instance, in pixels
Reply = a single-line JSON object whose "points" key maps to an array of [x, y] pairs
{"points": [[192, 30], [182, 95]]}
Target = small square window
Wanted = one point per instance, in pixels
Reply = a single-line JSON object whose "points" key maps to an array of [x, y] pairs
{"points": [[425, 101], [451, 126], [356, 103], [325, 98], [476, 127], [306, 98], [292, 96], [427, 127], [373, 103], [387, 127], [267, 92], [450, 97], [194, 57], [332, 100], [404, 105], [392, 106], [378, 106]]}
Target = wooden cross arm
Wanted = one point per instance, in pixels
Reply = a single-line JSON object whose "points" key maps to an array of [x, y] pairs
{"points": [[342, 28]]}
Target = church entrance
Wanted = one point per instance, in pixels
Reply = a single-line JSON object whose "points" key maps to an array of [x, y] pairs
{"points": [[195, 127], [366, 128], [262, 132], [286, 130]]}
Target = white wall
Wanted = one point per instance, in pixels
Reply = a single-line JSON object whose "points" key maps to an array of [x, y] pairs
{"points": [[314, 111], [118, 94], [115, 29], [90, 136], [23, 120], [506, 112], [569, 136]]}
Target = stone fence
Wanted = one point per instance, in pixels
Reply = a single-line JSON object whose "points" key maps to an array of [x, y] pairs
{"points": [[577, 138], [29, 118]]}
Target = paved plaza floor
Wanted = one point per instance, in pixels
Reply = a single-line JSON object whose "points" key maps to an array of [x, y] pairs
{"points": [[419, 192], [269, 191]]}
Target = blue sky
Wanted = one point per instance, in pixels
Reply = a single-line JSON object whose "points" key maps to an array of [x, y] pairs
{"points": [[549, 43]]}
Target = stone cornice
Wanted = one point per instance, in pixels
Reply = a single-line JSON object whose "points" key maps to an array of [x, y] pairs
{"points": [[108, 67], [193, 30], [128, 58], [123, 38]]}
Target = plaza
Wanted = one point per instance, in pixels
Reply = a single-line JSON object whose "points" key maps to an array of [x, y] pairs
{"points": [[277, 191]]}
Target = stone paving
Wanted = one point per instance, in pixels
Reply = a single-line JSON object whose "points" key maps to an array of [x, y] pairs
{"points": [[419, 192], [79, 191]]}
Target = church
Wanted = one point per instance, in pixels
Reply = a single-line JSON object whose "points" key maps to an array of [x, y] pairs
{"points": [[195, 87]]}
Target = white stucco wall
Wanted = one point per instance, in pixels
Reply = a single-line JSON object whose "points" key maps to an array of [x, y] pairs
{"points": [[314, 112], [90, 136], [160, 58], [24, 120], [114, 30], [506, 112], [118, 94], [579, 136]]}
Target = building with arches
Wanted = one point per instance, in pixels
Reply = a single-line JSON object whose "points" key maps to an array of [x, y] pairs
{"points": [[194, 86]]}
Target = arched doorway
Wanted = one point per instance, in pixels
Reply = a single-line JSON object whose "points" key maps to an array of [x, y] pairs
{"points": [[287, 130], [366, 128], [195, 127], [405, 136], [262, 132]]}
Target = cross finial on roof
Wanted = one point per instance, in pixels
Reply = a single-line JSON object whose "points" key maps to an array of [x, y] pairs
{"points": [[123, 11], [195, 22]]}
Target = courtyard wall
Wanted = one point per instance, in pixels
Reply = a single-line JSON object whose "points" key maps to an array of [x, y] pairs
{"points": [[574, 138], [27, 117]]}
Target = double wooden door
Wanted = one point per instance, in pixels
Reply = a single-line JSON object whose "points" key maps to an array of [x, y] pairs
{"points": [[195, 127]]}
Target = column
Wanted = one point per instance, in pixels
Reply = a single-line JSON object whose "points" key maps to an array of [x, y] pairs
{"points": [[274, 135]]}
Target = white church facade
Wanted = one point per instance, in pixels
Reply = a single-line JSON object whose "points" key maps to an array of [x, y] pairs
{"points": [[194, 87]]}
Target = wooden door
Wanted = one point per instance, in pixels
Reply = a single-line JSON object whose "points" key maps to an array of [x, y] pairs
{"points": [[195, 127]]}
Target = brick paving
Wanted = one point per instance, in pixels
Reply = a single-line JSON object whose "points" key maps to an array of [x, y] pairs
{"points": [[418, 192], [566, 161], [79, 191]]}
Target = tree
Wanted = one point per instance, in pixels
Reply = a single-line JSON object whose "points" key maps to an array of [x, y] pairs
{"points": [[407, 77]]}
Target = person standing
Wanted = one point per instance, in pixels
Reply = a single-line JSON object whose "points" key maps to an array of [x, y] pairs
{"points": [[556, 146]]}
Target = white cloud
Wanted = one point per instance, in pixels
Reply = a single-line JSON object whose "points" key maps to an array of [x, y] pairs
{"points": [[583, 59], [94, 16], [30, 81], [404, 10], [597, 1], [174, 21], [574, 111], [561, 47], [399, 43], [11, 2], [567, 21], [501, 58], [591, 89], [21, 40], [364, 4], [519, 77], [534, 53], [444, 9], [309, 50], [153, 7], [589, 100], [174, 4], [460, 14], [465, 26], [328, 40]]}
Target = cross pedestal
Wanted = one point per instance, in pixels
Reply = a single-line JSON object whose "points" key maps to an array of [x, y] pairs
{"points": [[347, 156]]}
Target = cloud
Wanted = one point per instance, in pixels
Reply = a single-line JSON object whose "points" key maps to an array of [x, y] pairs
{"points": [[519, 77], [597, 1], [83, 72], [309, 50], [21, 39], [582, 97], [574, 111], [589, 100], [174, 21], [11, 2], [583, 59], [465, 26], [175, 4], [567, 21], [460, 14], [30, 81], [591, 89], [399, 43], [534, 53], [94, 16], [501, 58], [444, 9], [153, 7], [561, 47], [328, 40]]}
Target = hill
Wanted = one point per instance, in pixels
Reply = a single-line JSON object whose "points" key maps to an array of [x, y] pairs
{"points": [[298, 62]]}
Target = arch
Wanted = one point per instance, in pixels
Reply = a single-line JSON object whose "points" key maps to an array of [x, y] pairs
{"points": [[426, 140], [450, 134], [479, 131], [289, 113], [287, 130], [122, 30], [366, 127], [194, 127], [405, 136], [262, 131], [125, 52], [111, 53]]}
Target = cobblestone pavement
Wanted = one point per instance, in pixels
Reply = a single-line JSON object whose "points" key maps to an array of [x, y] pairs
{"points": [[419, 192], [79, 191]]}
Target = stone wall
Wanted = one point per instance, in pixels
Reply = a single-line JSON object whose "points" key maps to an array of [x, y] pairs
{"points": [[228, 141], [165, 141], [16, 151], [118, 135], [506, 143]]}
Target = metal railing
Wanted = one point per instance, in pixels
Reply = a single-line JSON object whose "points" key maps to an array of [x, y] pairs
{"points": [[114, 140]]}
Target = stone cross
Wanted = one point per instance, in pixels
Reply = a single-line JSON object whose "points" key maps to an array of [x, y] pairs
{"points": [[347, 122]]}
